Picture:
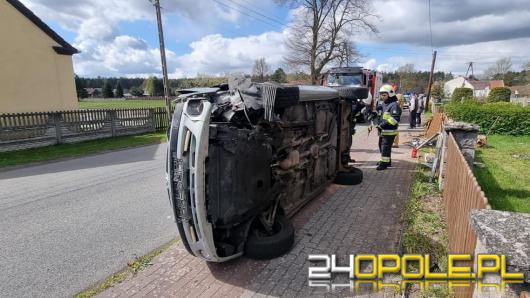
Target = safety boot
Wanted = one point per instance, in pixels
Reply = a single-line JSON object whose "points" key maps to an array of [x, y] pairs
{"points": [[382, 166]]}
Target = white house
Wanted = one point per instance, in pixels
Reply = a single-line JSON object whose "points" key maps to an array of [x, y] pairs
{"points": [[481, 89]]}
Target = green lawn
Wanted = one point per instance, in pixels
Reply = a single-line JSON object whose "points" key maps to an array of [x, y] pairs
{"points": [[505, 178], [120, 104], [79, 149]]}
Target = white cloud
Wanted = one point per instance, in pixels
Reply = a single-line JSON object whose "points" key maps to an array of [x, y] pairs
{"points": [[216, 54], [104, 49]]}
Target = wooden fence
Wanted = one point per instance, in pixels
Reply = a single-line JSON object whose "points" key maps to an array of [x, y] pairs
{"points": [[31, 130], [461, 194], [435, 125]]}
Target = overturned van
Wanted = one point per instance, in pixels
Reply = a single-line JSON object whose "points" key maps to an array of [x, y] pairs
{"points": [[243, 157]]}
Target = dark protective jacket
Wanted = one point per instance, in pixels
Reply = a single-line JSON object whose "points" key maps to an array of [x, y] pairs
{"points": [[389, 116]]}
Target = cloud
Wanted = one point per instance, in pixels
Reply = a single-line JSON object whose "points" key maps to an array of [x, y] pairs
{"points": [[215, 54], [454, 22], [105, 50]]}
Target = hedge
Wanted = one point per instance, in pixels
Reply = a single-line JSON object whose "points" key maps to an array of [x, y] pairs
{"points": [[499, 94], [501, 117], [462, 93]]}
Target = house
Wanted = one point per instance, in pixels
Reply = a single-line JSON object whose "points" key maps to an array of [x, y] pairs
{"points": [[36, 63], [496, 83], [93, 92], [481, 89]]}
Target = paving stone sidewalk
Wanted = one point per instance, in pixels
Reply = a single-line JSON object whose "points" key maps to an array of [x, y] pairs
{"points": [[366, 218]]}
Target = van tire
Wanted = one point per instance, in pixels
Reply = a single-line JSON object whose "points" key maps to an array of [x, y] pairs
{"points": [[268, 247], [351, 177]]}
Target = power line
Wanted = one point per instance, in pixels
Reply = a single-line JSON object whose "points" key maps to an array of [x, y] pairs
{"points": [[248, 15], [258, 13]]}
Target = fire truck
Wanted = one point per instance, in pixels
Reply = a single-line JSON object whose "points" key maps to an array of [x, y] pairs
{"points": [[357, 76]]}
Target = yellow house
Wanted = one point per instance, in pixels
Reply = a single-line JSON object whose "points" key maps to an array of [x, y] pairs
{"points": [[36, 70]]}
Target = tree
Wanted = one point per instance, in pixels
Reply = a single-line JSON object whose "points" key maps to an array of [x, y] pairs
{"points": [[501, 67], [348, 54], [136, 91], [461, 94], [499, 94], [261, 68], [406, 77], [154, 86], [119, 90], [80, 88], [279, 76], [106, 90], [322, 33]]}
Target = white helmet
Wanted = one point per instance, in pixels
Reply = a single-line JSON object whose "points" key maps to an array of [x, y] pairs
{"points": [[387, 89]]}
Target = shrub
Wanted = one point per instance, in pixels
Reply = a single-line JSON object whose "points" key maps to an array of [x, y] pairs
{"points": [[499, 94], [500, 117], [462, 94]]}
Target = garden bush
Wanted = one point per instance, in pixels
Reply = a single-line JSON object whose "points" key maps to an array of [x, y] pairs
{"points": [[500, 117], [499, 94], [462, 93]]}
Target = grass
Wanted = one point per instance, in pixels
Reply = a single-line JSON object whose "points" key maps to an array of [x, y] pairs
{"points": [[120, 104], [132, 268], [48, 153], [504, 177], [426, 228]]}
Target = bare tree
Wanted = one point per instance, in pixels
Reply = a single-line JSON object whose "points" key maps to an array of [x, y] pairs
{"points": [[322, 32], [348, 54], [501, 67], [261, 68]]}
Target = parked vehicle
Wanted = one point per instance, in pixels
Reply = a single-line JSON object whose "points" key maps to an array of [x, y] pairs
{"points": [[244, 157], [356, 77]]}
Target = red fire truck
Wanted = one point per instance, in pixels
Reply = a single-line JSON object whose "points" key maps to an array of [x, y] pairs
{"points": [[356, 77]]}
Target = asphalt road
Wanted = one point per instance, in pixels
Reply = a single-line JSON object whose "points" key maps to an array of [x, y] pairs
{"points": [[66, 225]]}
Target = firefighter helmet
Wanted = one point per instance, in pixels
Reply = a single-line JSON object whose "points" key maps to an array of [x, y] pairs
{"points": [[387, 89]]}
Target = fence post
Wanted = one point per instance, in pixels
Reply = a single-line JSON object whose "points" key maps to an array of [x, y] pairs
{"points": [[152, 115], [57, 124], [113, 119]]}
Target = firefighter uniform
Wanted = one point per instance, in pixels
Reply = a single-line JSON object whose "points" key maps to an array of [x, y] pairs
{"points": [[389, 115]]}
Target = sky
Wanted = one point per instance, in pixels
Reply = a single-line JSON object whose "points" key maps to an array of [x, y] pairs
{"points": [[216, 37]]}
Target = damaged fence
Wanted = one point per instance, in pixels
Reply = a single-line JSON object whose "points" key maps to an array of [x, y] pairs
{"points": [[31, 130]]}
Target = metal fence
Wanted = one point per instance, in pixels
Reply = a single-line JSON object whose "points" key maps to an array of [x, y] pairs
{"points": [[31, 130], [461, 194]]}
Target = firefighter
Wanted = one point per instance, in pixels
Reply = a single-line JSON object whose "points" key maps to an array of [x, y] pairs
{"points": [[389, 114]]}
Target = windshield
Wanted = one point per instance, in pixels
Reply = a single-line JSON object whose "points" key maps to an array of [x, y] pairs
{"points": [[345, 79]]}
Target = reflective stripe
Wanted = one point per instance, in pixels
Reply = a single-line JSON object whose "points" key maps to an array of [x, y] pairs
{"points": [[395, 133], [385, 159], [389, 118]]}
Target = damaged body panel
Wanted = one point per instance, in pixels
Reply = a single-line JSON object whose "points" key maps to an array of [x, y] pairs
{"points": [[242, 159]]}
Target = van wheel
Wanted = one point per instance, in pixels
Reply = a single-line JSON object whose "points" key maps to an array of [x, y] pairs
{"points": [[262, 246], [350, 177]]}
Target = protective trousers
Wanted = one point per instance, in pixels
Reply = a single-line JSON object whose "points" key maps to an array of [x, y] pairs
{"points": [[385, 147]]}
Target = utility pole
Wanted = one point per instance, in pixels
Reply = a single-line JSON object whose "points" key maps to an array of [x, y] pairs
{"points": [[430, 80], [156, 3]]}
